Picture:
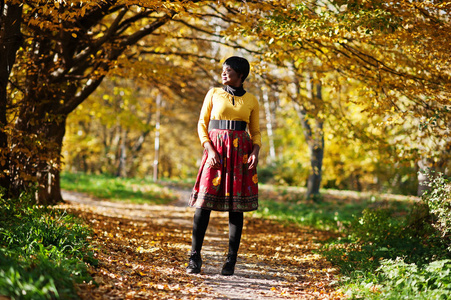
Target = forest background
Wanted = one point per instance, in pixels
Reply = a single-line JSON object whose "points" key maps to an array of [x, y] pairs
{"points": [[354, 94]]}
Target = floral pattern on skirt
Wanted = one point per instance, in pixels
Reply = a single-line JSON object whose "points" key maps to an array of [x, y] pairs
{"points": [[233, 187]]}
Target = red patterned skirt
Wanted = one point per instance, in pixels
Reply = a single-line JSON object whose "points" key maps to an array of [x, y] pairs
{"points": [[232, 187]]}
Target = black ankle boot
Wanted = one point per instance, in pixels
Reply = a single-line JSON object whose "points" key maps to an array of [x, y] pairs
{"points": [[229, 266], [194, 264]]}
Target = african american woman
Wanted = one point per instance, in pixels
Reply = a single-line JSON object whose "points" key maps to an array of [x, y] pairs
{"points": [[227, 178]]}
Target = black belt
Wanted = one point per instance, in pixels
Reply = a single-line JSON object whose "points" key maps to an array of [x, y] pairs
{"points": [[228, 124]]}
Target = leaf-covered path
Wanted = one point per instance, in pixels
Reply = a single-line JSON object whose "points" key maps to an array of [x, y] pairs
{"points": [[142, 252]]}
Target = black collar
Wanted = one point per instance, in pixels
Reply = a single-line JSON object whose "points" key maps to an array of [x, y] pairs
{"points": [[234, 91]]}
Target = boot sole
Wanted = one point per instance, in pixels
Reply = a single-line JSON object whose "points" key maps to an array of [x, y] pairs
{"points": [[193, 271]]}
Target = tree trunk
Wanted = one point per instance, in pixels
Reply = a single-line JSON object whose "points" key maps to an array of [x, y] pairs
{"points": [[316, 163], [157, 140], [314, 137], [268, 115], [122, 167], [49, 191], [10, 41], [316, 146], [40, 164]]}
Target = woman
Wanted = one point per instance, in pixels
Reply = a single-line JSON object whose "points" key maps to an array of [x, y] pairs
{"points": [[227, 179]]}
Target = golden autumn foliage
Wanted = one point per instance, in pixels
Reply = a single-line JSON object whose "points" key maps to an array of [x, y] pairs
{"points": [[384, 73], [68, 48], [383, 69], [397, 51]]}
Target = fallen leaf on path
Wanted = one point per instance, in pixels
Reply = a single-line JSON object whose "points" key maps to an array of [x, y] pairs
{"points": [[142, 253]]}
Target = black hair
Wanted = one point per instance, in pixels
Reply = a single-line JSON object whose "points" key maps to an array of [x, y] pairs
{"points": [[239, 65]]}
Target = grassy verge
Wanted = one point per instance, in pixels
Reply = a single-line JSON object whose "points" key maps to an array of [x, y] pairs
{"points": [[43, 252], [117, 189], [387, 248], [335, 211]]}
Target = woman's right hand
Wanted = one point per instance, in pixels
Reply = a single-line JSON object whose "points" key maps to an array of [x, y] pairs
{"points": [[213, 159]]}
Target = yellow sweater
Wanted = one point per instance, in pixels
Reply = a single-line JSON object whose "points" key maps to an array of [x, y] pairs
{"points": [[218, 105]]}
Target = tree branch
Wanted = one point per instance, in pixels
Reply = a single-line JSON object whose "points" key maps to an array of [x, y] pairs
{"points": [[144, 31], [87, 90], [126, 23], [83, 55], [181, 54]]}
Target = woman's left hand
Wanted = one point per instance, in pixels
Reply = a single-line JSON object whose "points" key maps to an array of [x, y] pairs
{"points": [[253, 157]]}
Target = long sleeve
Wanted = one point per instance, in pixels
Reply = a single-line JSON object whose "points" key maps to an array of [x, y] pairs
{"points": [[204, 118], [254, 125], [220, 105]]}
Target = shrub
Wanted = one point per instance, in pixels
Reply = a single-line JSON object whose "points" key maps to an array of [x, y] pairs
{"points": [[396, 279], [388, 256], [438, 200], [43, 251]]}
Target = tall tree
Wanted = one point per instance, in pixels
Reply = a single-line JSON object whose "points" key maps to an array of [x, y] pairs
{"points": [[10, 41], [313, 125], [66, 56]]}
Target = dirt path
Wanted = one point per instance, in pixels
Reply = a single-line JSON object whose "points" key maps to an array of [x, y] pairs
{"points": [[142, 252]]}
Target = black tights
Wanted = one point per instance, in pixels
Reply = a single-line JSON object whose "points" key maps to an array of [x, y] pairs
{"points": [[200, 224]]}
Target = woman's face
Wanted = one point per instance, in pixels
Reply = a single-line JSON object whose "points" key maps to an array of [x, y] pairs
{"points": [[230, 76]]}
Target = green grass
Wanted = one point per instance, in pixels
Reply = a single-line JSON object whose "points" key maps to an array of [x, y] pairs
{"points": [[117, 189], [43, 251], [396, 279], [335, 211], [386, 249]]}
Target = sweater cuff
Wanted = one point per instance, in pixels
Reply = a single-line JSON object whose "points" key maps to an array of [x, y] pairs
{"points": [[203, 141]]}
